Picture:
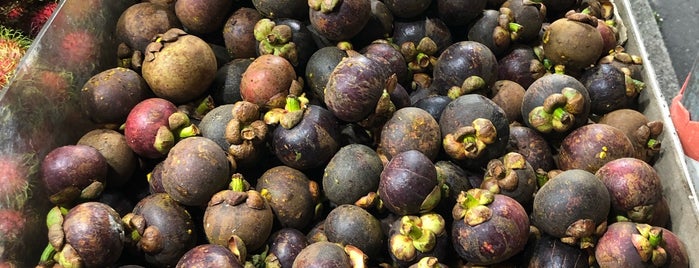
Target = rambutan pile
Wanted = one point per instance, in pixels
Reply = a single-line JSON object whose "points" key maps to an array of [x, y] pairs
{"points": [[41, 16], [13, 45], [27, 16]]}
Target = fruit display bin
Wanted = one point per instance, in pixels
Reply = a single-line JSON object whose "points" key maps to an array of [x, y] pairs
{"points": [[40, 111]]}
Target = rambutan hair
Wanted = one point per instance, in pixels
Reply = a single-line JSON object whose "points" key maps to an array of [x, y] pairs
{"points": [[13, 46]]}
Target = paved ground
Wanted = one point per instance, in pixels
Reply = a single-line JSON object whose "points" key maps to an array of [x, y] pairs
{"points": [[678, 21]]}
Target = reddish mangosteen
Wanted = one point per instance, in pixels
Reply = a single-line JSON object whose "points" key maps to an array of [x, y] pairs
{"points": [[209, 256], [627, 244], [74, 172], [154, 125], [591, 146], [268, 80]]}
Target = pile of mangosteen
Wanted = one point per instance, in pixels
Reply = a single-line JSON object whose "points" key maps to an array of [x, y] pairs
{"points": [[353, 133]]}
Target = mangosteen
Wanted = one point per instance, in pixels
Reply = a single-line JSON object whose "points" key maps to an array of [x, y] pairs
{"points": [[555, 104], [339, 20], [495, 29], [459, 12], [412, 238], [627, 244], [634, 187], [642, 132], [288, 38], [90, 234], [202, 17], [161, 229], [285, 244], [455, 76], [308, 140], [290, 194], [413, 31], [455, 180], [421, 56], [591, 146], [549, 251], [572, 206], [108, 96], [573, 42], [532, 146], [112, 146], [407, 9], [352, 173], [178, 66], [434, 105], [610, 89], [246, 133], [238, 213], [268, 80], [520, 65], [330, 255], [351, 225], [409, 170], [631, 65], [508, 95], [194, 170], [141, 21], [209, 256], [411, 128], [382, 49], [296, 9], [238, 33], [318, 69], [379, 26], [74, 172], [513, 176], [488, 228], [474, 130], [529, 15], [213, 125]]}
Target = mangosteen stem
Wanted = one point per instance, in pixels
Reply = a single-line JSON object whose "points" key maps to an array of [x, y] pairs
{"points": [[410, 228], [562, 120], [540, 120], [48, 254], [655, 237], [653, 144], [237, 184]]}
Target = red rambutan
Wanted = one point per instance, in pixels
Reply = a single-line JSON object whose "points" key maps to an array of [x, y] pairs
{"points": [[77, 50], [41, 16], [14, 180], [13, 45]]}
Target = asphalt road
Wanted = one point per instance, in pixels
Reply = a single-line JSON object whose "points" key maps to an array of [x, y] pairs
{"points": [[678, 21]]}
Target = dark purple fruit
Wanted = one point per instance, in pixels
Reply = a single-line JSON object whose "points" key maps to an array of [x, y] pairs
{"points": [[434, 105], [634, 187], [202, 17], [532, 146], [572, 206], [415, 30], [610, 89], [213, 125], [412, 238], [94, 236], [352, 173], [243, 214], [290, 194], [555, 104], [456, 179], [178, 66], [322, 255], [407, 9], [284, 246], [627, 244], [194, 170], [529, 16], [225, 89], [107, 97], [355, 88], [520, 65], [381, 49], [112, 145], [238, 34], [379, 26], [488, 228], [454, 74], [141, 21], [319, 67], [513, 176], [409, 170], [339, 20], [591, 146], [474, 130], [296, 9], [459, 12], [161, 228], [310, 142], [573, 42], [411, 128], [352, 225], [74, 172], [209, 256], [495, 30], [642, 132], [549, 251]]}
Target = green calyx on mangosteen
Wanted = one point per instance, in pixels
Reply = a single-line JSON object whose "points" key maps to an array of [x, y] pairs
{"points": [[414, 237], [470, 141], [276, 39], [421, 56], [558, 112], [511, 175], [178, 66]]}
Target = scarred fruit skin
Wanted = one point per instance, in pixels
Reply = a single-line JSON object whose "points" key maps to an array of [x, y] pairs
{"points": [[591, 146], [140, 22], [108, 96], [209, 256], [632, 184], [267, 80], [68, 170], [96, 232], [616, 249], [178, 66], [344, 21]]}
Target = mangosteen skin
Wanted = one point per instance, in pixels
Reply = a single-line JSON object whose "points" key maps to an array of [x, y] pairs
{"points": [[142, 125], [318, 68], [411, 128], [591, 146], [434, 105], [568, 197], [296, 9], [415, 30], [615, 248], [213, 125], [108, 96], [344, 21], [462, 60], [209, 256], [408, 170], [194, 170], [96, 233], [550, 84], [607, 88], [174, 225], [140, 22], [353, 172], [532, 146], [285, 244], [459, 12], [520, 65], [322, 254], [310, 143], [238, 34], [290, 195], [631, 183], [112, 145], [68, 170], [225, 89], [351, 225], [202, 17], [549, 251]]}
